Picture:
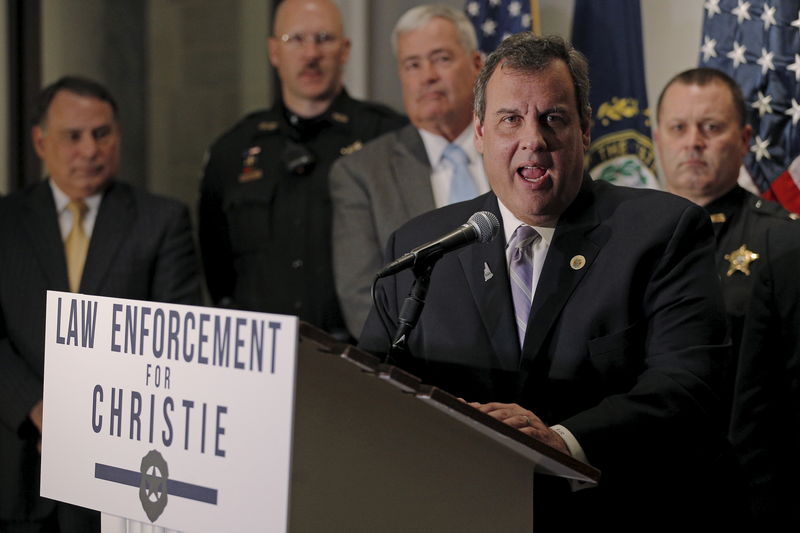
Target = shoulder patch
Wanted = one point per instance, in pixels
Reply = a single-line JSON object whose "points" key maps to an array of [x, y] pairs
{"points": [[769, 208]]}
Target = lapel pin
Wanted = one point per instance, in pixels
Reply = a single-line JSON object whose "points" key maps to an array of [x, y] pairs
{"points": [[487, 273], [577, 262]]}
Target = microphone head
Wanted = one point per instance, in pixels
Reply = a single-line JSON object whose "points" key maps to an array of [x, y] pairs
{"points": [[485, 224]]}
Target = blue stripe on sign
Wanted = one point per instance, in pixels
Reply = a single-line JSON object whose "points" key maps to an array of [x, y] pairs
{"points": [[174, 488], [192, 492], [117, 475]]}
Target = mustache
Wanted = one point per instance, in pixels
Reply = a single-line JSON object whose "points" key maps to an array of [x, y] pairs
{"points": [[312, 68]]}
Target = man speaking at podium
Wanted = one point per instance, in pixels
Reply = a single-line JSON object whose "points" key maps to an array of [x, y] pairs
{"points": [[593, 322]]}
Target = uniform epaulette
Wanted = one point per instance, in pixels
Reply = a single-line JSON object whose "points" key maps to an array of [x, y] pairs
{"points": [[766, 207], [247, 127]]}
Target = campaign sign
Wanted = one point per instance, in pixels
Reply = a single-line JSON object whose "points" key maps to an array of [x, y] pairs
{"points": [[174, 415]]}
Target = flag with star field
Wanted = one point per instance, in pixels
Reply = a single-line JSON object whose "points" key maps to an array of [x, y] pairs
{"points": [[494, 20], [757, 43]]}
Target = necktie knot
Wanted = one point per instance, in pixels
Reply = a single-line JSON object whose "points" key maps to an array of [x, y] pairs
{"points": [[455, 154], [462, 184], [523, 236], [78, 209]]}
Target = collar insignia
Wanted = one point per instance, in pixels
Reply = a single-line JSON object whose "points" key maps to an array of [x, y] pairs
{"points": [[355, 147], [717, 218], [740, 260], [267, 126], [340, 117]]}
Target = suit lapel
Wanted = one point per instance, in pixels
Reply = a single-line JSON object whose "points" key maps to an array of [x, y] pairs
{"points": [[41, 223], [114, 221], [563, 268], [492, 296], [412, 172]]}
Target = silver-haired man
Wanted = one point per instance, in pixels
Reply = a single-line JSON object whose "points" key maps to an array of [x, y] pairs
{"points": [[430, 163]]}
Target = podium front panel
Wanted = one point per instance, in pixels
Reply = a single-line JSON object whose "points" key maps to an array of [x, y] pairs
{"points": [[368, 456]]}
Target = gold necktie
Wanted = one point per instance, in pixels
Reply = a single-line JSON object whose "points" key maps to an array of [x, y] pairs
{"points": [[76, 245]]}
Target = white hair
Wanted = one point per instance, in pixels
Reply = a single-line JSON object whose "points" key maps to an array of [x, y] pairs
{"points": [[419, 16]]}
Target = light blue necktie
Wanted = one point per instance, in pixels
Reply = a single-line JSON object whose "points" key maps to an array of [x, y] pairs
{"points": [[462, 186], [521, 273]]}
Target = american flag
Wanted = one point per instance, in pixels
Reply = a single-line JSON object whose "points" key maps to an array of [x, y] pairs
{"points": [[494, 20], [758, 44]]}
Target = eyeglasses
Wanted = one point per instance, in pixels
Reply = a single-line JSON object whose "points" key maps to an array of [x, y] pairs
{"points": [[297, 40]]}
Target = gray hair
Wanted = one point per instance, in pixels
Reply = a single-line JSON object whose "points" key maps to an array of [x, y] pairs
{"points": [[527, 52], [419, 16]]}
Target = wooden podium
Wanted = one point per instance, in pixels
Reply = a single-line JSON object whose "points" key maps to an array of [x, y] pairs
{"points": [[376, 450]]}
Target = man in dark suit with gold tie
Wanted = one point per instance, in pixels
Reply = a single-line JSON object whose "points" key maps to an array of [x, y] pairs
{"points": [[80, 230]]}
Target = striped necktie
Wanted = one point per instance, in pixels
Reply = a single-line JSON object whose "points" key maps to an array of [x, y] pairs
{"points": [[76, 244], [462, 184], [521, 274]]}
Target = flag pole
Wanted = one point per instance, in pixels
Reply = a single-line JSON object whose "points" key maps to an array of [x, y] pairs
{"points": [[536, 23]]}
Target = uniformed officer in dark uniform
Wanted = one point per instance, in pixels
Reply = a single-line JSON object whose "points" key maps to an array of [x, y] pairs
{"points": [[265, 211], [702, 139], [742, 223]]}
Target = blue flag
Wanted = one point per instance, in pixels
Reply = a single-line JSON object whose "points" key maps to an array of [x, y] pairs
{"points": [[757, 43], [609, 33], [494, 20]]}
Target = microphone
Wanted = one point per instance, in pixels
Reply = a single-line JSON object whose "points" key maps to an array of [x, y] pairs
{"points": [[482, 226]]}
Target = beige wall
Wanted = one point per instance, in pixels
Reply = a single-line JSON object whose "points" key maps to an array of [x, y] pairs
{"points": [[207, 67]]}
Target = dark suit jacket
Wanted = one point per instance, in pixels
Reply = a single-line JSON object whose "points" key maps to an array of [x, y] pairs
{"points": [[625, 351], [141, 247], [374, 191], [765, 426]]}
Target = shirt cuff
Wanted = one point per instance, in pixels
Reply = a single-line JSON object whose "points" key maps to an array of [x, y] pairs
{"points": [[575, 451], [574, 447]]}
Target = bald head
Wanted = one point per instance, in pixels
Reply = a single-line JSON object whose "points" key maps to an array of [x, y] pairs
{"points": [[289, 11], [309, 50]]}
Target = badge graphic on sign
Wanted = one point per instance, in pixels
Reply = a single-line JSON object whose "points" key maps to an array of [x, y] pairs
{"points": [[153, 485]]}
